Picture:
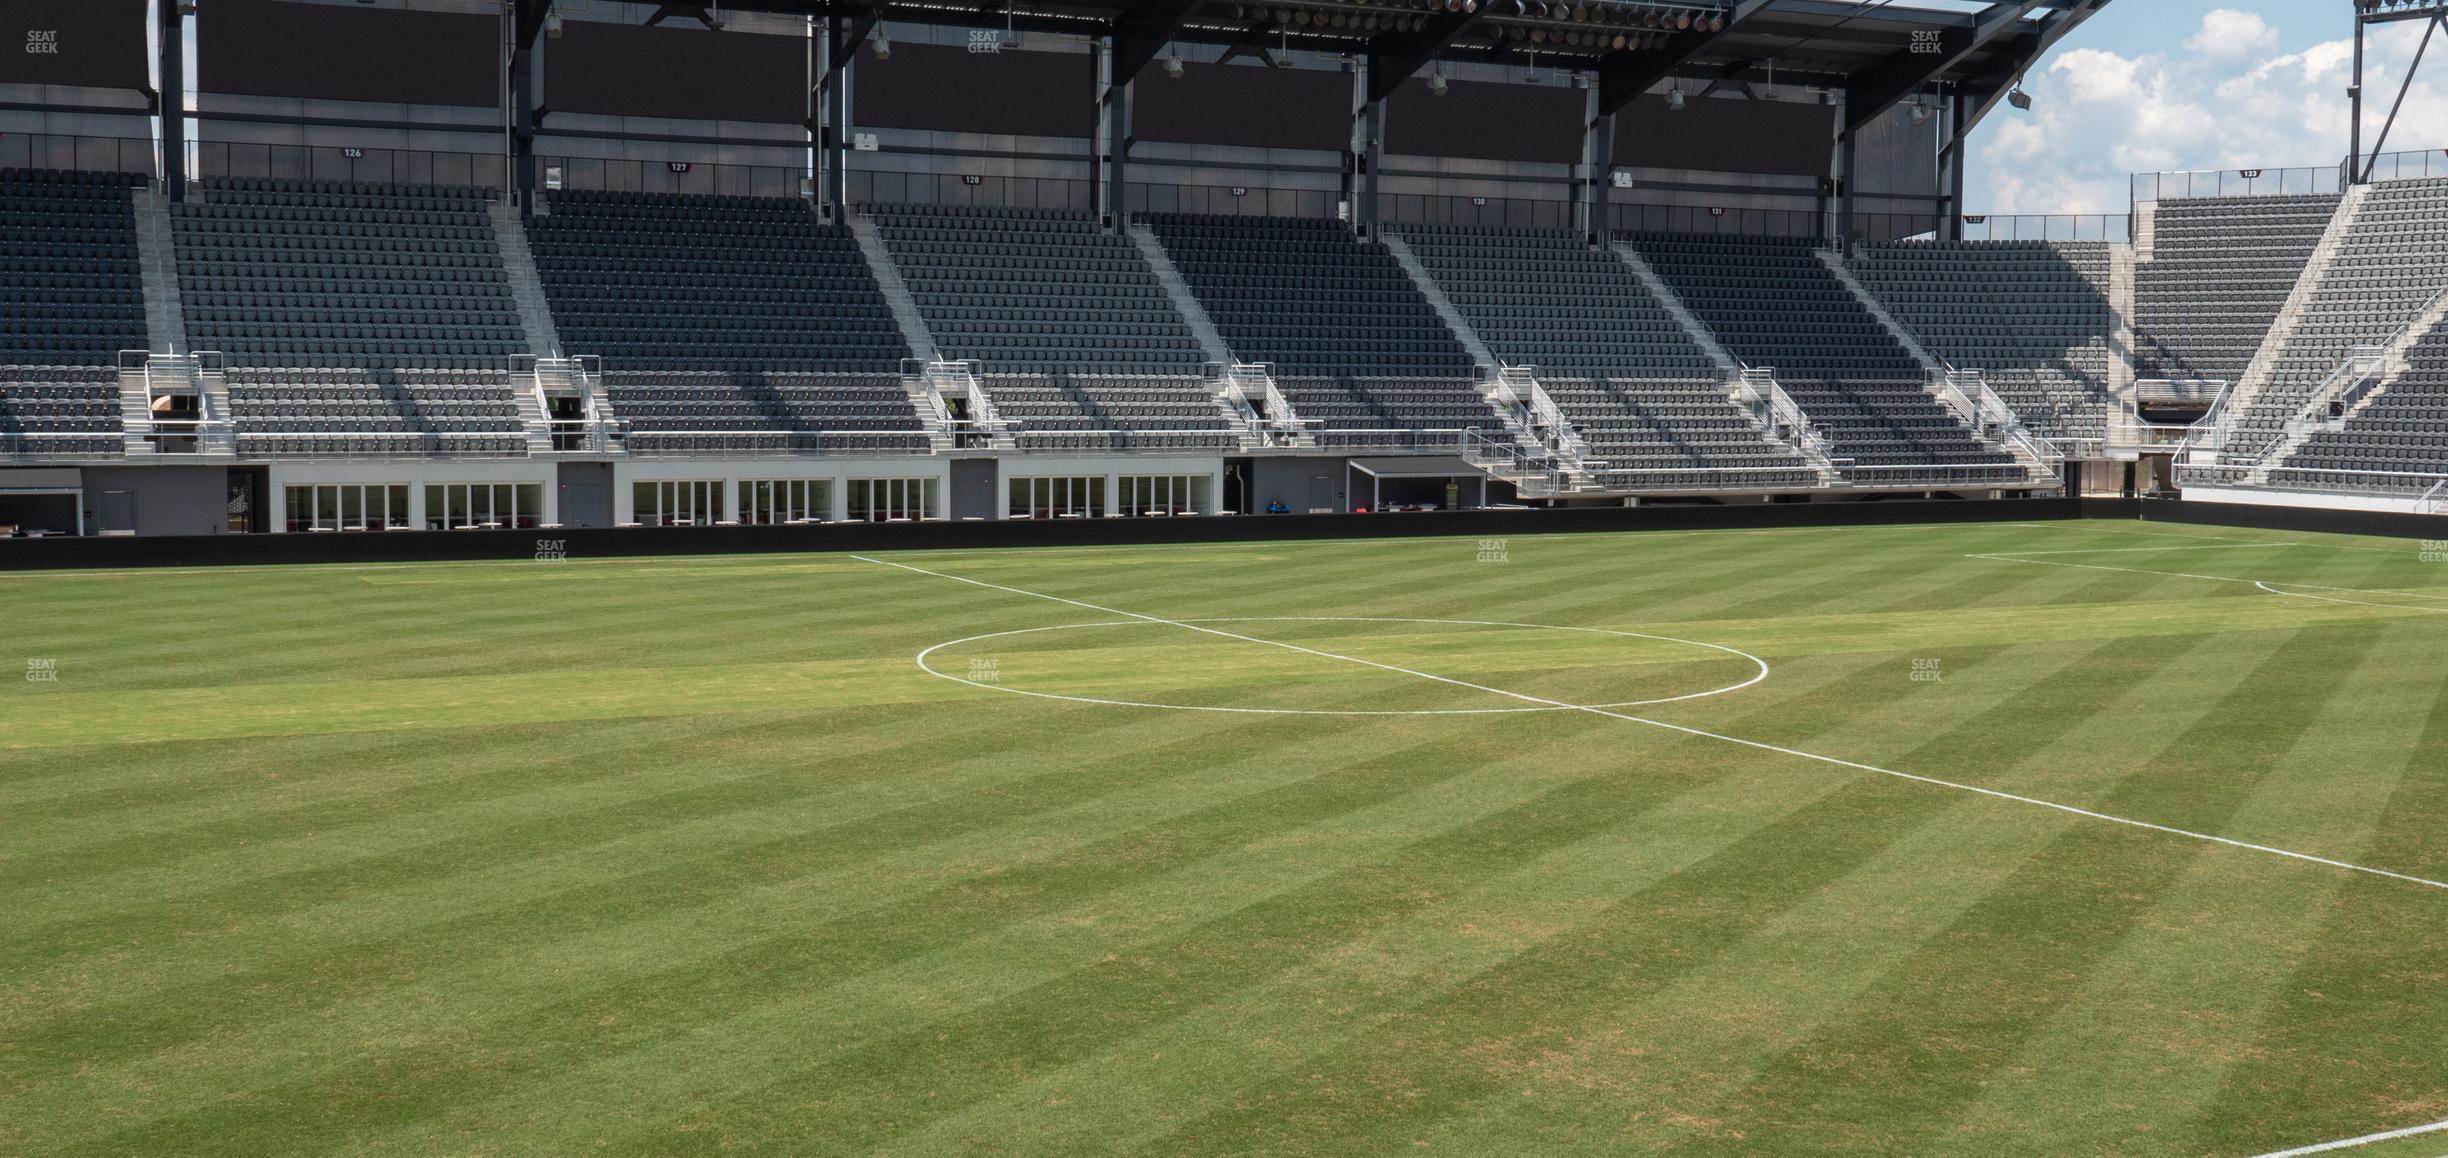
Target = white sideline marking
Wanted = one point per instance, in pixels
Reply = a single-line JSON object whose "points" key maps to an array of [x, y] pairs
{"points": [[2365, 1140], [1993, 793]]}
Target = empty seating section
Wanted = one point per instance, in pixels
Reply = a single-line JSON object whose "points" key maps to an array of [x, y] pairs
{"points": [[2028, 314], [654, 281], [1774, 305], [1644, 396], [2219, 272], [334, 274], [727, 323], [752, 411], [2391, 262], [59, 410], [1544, 298], [1036, 291], [1096, 412], [1337, 313], [71, 290], [2397, 443], [375, 412], [1389, 412], [1673, 434]]}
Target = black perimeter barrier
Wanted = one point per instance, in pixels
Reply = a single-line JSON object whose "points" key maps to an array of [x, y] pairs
{"points": [[647, 542]]}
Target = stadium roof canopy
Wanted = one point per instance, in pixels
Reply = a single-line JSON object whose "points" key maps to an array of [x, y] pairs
{"points": [[1880, 51]]}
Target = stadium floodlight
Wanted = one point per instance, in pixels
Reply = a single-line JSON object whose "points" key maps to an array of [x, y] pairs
{"points": [[1674, 99], [883, 45], [552, 23], [2018, 98], [1436, 84], [1173, 65], [1920, 114]]}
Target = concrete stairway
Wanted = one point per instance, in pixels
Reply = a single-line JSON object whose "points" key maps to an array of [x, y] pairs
{"points": [[1437, 300], [526, 287], [896, 291], [157, 254], [1193, 314]]}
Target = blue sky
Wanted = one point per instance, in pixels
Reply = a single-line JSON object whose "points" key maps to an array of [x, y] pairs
{"points": [[2195, 84]]}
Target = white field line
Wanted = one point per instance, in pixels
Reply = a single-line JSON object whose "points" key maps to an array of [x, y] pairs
{"points": [[2021, 557], [1992, 793], [2365, 1140]]}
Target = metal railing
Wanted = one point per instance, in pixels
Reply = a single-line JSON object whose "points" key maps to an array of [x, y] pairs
{"points": [[2115, 227], [28, 444], [2326, 407], [73, 151], [1989, 415], [1776, 410], [386, 444], [1428, 440], [2300, 181], [1536, 476], [772, 443], [2433, 500]]}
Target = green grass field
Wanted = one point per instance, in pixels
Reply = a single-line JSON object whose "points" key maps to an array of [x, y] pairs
{"points": [[690, 855]]}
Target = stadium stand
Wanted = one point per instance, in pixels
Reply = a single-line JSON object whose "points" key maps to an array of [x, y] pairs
{"points": [[73, 293], [1359, 352], [2390, 263], [1774, 305], [1081, 347], [726, 324], [60, 410], [1036, 291], [753, 411], [1103, 412], [71, 298], [375, 412], [654, 281], [322, 273], [2028, 314], [1642, 394], [2219, 269], [2398, 442]]}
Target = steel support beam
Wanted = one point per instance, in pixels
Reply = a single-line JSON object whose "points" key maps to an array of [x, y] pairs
{"points": [[1868, 97], [1393, 58], [1112, 150], [170, 103], [1623, 76], [1142, 32]]}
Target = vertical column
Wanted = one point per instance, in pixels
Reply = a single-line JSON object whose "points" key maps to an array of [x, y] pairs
{"points": [[522, 96], [2354, 148], [841, 56], [1598, 170], [1113, 141], [171, 102], [1367, 158], [1951, 169]]}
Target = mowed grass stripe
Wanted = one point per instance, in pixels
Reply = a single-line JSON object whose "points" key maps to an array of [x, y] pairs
{"points": [[891, 944], [696, 869], [2349, 1046], [2166, 1018], [1809, 968], [1195, 1078], [1915, 1050], [756, 1032]]}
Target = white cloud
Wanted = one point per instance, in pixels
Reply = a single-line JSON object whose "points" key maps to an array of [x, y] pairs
{"points": [[2228, 100], [2227, 34]]}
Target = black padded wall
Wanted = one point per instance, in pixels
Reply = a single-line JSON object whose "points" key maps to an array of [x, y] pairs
{"points": [[677, 69], [1727, 135], [1249, 106], [1487, 121], [953, 90], [319, 51], [96, 43]]}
